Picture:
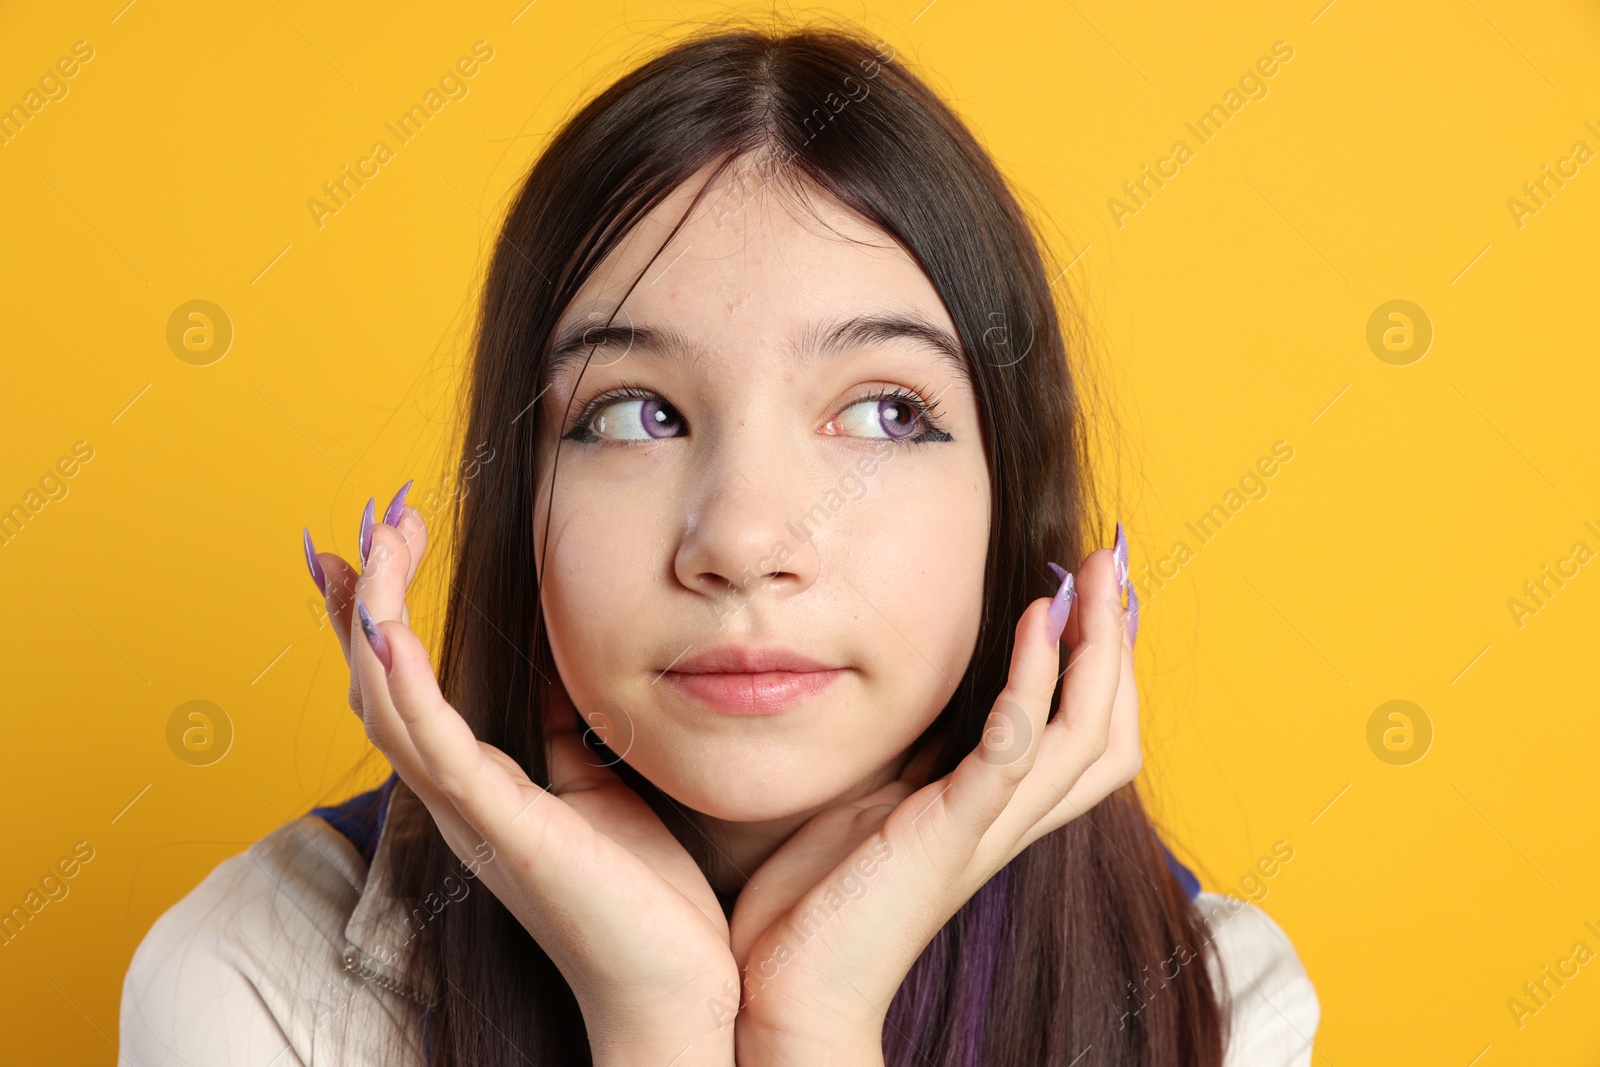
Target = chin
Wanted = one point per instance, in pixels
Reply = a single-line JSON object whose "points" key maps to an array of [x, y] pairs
{"points": [[741, 789]]}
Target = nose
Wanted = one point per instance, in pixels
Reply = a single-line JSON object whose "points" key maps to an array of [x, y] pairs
{"points": [[745, 540]]}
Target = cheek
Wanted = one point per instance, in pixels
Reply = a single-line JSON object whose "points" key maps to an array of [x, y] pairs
{"points": [[594, 584], [916, 552]]}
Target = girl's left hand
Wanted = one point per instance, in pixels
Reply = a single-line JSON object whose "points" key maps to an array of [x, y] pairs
{"points": [[832, 922]]}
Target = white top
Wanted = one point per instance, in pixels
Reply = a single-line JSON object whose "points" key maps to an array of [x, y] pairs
{"points": [[276, 959]]}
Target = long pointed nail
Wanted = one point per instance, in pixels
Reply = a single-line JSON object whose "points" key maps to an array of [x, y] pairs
{"points": [[375, 638], [1133, 615], [315, 565], [391, 514], [1119, 556], [1056, 617], [364, 540]]}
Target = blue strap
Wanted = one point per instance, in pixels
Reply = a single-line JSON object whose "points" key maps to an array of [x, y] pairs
{"points": [[360, 819], [1185, 877]]}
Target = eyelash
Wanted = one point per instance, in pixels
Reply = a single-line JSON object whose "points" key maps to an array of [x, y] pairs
{"points": [[930, 429]]}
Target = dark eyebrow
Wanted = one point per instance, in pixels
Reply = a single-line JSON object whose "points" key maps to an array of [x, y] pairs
{"points": [[820, 338], [888, 326], [571, 343]]}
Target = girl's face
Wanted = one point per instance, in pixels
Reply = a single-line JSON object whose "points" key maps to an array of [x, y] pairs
{"points": [[795, 468]]}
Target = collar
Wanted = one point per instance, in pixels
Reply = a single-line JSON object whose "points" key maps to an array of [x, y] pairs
{"points": [[382, 932]]}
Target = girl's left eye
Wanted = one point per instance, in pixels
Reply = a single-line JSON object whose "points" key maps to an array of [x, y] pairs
{"points": [[890, 416]]}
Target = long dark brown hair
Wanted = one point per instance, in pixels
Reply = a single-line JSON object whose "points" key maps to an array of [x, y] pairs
{"points": [[1055, 960]]}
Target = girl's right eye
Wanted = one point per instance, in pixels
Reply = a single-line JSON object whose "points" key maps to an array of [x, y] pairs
{"points": [[627, 414]]}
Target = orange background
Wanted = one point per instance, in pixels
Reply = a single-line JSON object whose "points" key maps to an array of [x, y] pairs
{"points": [[1231, 312]]}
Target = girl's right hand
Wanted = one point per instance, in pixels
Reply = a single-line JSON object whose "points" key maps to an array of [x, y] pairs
{"points": [[587, 867]]}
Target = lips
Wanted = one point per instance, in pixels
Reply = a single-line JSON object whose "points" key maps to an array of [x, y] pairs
{"points": [[750, 681], [732, 659]]}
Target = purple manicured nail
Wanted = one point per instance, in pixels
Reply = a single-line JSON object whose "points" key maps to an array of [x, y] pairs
{"points": [[1056, 617], [316, 567], [391, 515], [1119, 556], [1133, 615], [375, 638], [364, 540]]}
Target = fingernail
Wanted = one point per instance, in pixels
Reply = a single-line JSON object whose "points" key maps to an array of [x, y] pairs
{"points": [[391, 515], [375, 638], [1133, 615], [316, 567], [1056, 617], [364, 541], [1066, 578], [1119, 556]]}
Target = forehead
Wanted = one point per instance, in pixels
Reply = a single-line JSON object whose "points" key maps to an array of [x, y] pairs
{"points": [[756, 259]]}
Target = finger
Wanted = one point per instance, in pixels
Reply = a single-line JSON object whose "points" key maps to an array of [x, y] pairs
{"points": [[433, 734], [1124, 754], [1117, 766], [414, 532], [381, 587], [340, 597], [414, 535], [1098, 681], [1089, 684], [473, 790], [1072, 633], [818, 847], [394, 552], [341, 589], [368, 672], [958, 812]]}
